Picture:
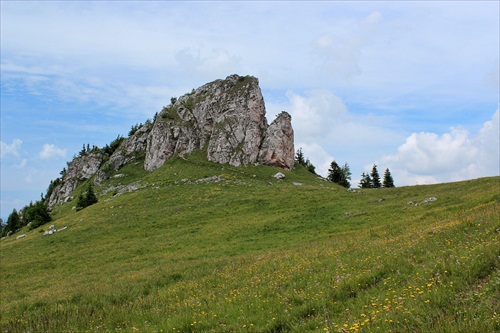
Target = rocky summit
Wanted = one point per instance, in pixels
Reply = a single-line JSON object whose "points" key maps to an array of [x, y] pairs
{"points": [[224, 118], [227, 118]]}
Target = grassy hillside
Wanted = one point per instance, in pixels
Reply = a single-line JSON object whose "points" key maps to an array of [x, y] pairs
{"points": [[244, 252]]}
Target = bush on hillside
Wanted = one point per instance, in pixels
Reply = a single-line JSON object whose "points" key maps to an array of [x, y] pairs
{"points": [[86, 198]]}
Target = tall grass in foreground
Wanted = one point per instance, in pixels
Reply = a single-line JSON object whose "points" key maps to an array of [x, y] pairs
{"points": [[243, 256]]}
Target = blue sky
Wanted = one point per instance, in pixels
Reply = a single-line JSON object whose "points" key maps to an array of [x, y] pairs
{"points": [[412, 86]]}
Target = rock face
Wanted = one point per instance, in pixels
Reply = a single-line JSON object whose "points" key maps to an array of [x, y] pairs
{"points": [[80, 169], [227, 119], [131, 147], [129, 150], [277, 147]]}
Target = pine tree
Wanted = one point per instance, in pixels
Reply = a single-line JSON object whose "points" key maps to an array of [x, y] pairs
{"points": [[91, 197], [339, 175], [83, 152], [375, 177], [366, 181], [345, 176], [86, 199], [334, 173], [13, 222], [310, 167], [388, 181], [299, 157]]}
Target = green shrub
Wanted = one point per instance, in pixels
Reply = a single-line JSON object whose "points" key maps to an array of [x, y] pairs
{"points": [[86, 199]]}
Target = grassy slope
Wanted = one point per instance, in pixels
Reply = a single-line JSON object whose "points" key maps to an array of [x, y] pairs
{"points": [[244, 255]]}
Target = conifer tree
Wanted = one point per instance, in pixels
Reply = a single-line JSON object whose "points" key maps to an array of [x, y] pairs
{"points": [[310, 167], [366, 181], [375, 177], [339, 175], [13, 222], [299, 157], [388, 181], [37, 214], [86, 199], [334, 173], [345, 176]]}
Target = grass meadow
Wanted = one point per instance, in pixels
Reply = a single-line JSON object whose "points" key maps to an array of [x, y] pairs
{"points": [[245, 252]]}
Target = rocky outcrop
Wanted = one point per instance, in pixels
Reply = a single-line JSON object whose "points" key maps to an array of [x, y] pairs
{"points": [[225, 118], [80, 169], [278, 147], [129, 150], [131, 147]]}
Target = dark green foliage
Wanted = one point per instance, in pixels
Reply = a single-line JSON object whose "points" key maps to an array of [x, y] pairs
{"points": [[134, 129], [339, 175], [173, 100], [388, 181], [87, 150], [346, 176], [83, 152], [375, 178], [110, 149], [37, 214], [366, 181], [300, 159], [86, 199], [310, 167], [334, 173], [13, 223]]}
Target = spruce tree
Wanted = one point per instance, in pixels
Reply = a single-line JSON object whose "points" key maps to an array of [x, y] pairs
{"points": [[334, 173], [366, 181], [310, 167], [375, 177], [388, 181], [13, 222], [345, 176], [86, 199], [299, 157], [91, 197]]}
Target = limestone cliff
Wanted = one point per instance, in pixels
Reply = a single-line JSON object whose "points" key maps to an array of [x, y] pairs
{"points": [[81, 168], [227, 119]]}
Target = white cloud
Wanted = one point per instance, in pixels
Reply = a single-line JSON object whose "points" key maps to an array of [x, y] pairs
{"points": [[321, 119], [50, 151], [427, 158], [10, 149], [340, 50]]}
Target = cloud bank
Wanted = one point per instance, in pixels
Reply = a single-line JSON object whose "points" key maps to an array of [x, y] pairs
{"points": [[427, 158]]}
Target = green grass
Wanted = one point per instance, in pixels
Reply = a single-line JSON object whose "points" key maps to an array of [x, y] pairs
{"points": [[253, 254]]}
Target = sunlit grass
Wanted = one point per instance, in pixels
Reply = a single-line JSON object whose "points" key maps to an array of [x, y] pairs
{"points": [[253, 254]]}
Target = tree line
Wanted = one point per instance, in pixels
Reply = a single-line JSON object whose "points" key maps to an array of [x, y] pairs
{"points": [[35, 214], [342, 174]]}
